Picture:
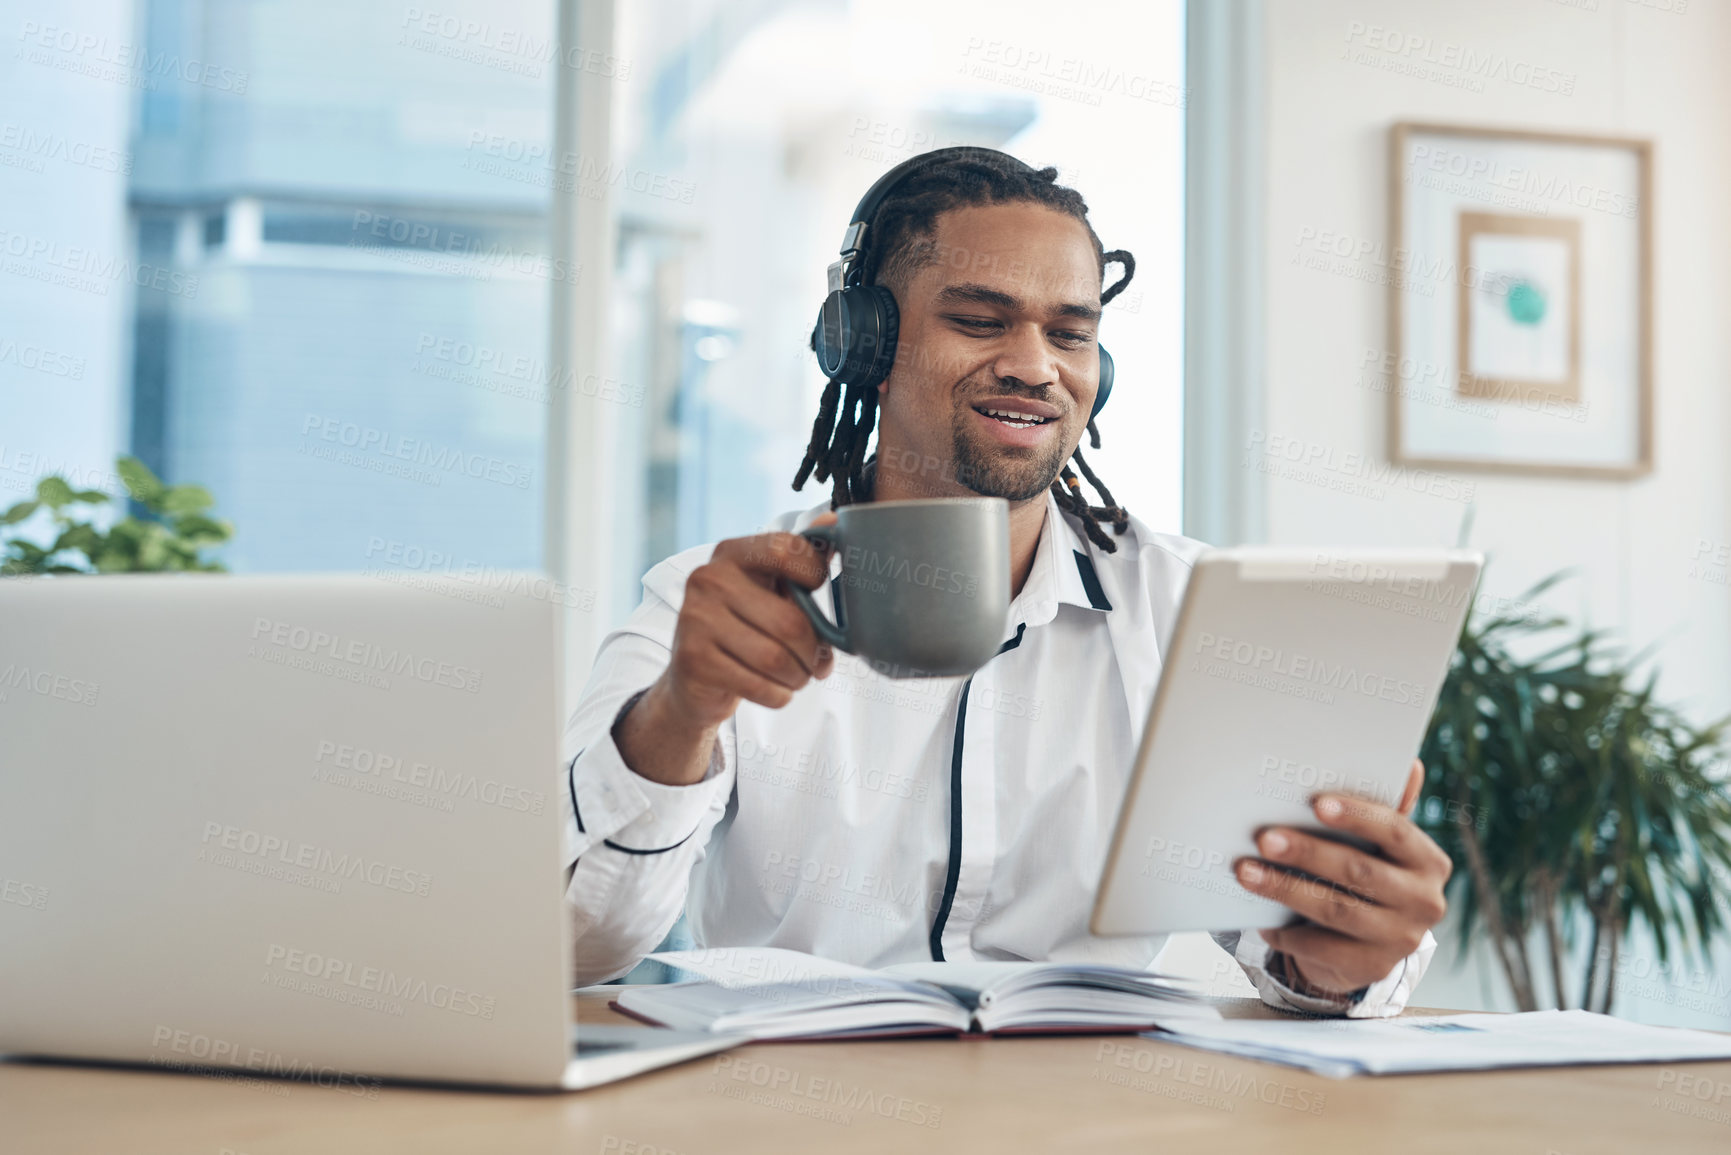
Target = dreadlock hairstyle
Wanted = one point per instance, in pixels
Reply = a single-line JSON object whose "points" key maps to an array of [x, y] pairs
{"points": [[901, 244]]}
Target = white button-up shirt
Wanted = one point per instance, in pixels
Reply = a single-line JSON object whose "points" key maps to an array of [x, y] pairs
{"points": [[877, 820]]}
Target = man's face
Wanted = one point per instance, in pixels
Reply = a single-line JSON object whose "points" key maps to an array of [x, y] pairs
{"points": [[996, 363]]}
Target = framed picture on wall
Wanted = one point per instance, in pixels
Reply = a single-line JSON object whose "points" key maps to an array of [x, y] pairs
{"points": [[1520, 301]]}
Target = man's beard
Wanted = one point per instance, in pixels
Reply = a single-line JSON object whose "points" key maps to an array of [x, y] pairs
{"points": [[990, 473]]}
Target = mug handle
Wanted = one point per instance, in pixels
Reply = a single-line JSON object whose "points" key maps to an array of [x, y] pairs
{"points": [[827, 631]]}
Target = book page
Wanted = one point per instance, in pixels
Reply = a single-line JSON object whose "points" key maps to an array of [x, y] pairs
{"points": [[760, 966], [966, 980], [1004, 978]]}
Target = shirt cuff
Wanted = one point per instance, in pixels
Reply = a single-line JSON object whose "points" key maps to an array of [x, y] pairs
{"points": [[611, 804], [1384, 998]]}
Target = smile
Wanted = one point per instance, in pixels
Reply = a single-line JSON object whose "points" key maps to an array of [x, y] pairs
{"points": [[1015, 419]]}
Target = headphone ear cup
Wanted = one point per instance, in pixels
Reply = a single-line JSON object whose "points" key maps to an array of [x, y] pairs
{"points": [[887, 329], [1104, 392], [829, 336], [855, 334]]}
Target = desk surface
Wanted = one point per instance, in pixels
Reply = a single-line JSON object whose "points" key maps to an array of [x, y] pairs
{"points": [[1103, 1094]]}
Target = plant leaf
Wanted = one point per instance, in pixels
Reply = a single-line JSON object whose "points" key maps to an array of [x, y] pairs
{"points": [[142, 485], [153, 551], [199, 530], [19, 512], [179, 500], [81, 537], [116, 557], [53, 492], [127, 532]]}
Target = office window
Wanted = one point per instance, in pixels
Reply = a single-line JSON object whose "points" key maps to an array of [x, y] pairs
{"points": [[742, 140], [296, 279], [298, 250]]}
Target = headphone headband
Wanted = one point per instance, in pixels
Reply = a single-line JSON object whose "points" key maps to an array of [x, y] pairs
{"points": [[850, 269]]}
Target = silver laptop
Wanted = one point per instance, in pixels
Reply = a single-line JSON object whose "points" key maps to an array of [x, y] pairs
{"points": [[1291, 672], [299, 826]]}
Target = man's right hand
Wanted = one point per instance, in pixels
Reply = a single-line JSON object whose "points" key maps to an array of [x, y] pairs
{"points": [[738, 638]]}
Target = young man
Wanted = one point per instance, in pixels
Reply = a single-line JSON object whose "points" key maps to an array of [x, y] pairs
{"points": [[724, 762]]}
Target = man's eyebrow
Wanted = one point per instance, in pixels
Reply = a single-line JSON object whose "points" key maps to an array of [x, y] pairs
{"points": [[975, 294], [1077, 310], [972, 294]]}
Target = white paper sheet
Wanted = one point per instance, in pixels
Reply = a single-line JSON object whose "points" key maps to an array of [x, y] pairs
{"points": [[1477, 1042]]}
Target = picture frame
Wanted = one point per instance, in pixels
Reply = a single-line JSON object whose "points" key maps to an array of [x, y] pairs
{"points": [[1520, 334]]}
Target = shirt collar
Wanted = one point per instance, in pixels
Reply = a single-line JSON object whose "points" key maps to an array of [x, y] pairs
{"points": [[1063, 573]]}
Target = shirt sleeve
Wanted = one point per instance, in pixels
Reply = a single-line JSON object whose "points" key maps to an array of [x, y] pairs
{"points": [[629, 843], [1384, 998]]}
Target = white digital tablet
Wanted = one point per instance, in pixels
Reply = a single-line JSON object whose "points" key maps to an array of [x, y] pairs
{"points": [[1291, 672]]}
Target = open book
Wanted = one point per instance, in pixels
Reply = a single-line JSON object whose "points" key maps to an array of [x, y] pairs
{"points": [[770, 993]]}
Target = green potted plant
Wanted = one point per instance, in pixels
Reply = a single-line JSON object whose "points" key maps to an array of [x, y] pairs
{"points": [[173, 533], [1570, 799]]}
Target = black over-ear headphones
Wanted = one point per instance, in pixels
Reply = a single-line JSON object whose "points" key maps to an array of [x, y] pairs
{"points": [[855, 338]]}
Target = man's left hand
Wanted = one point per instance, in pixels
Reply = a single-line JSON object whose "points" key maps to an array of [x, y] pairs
{"points": [[1365, 913]]}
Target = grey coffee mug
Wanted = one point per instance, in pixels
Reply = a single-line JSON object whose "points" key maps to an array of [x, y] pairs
{"points": [[924, 585]]}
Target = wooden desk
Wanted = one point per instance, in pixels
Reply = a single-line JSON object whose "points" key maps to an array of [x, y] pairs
{"points": [[1103, 1094]]}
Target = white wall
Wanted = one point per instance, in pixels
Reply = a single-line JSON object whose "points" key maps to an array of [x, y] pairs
{"points": [[1640, 68]]}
